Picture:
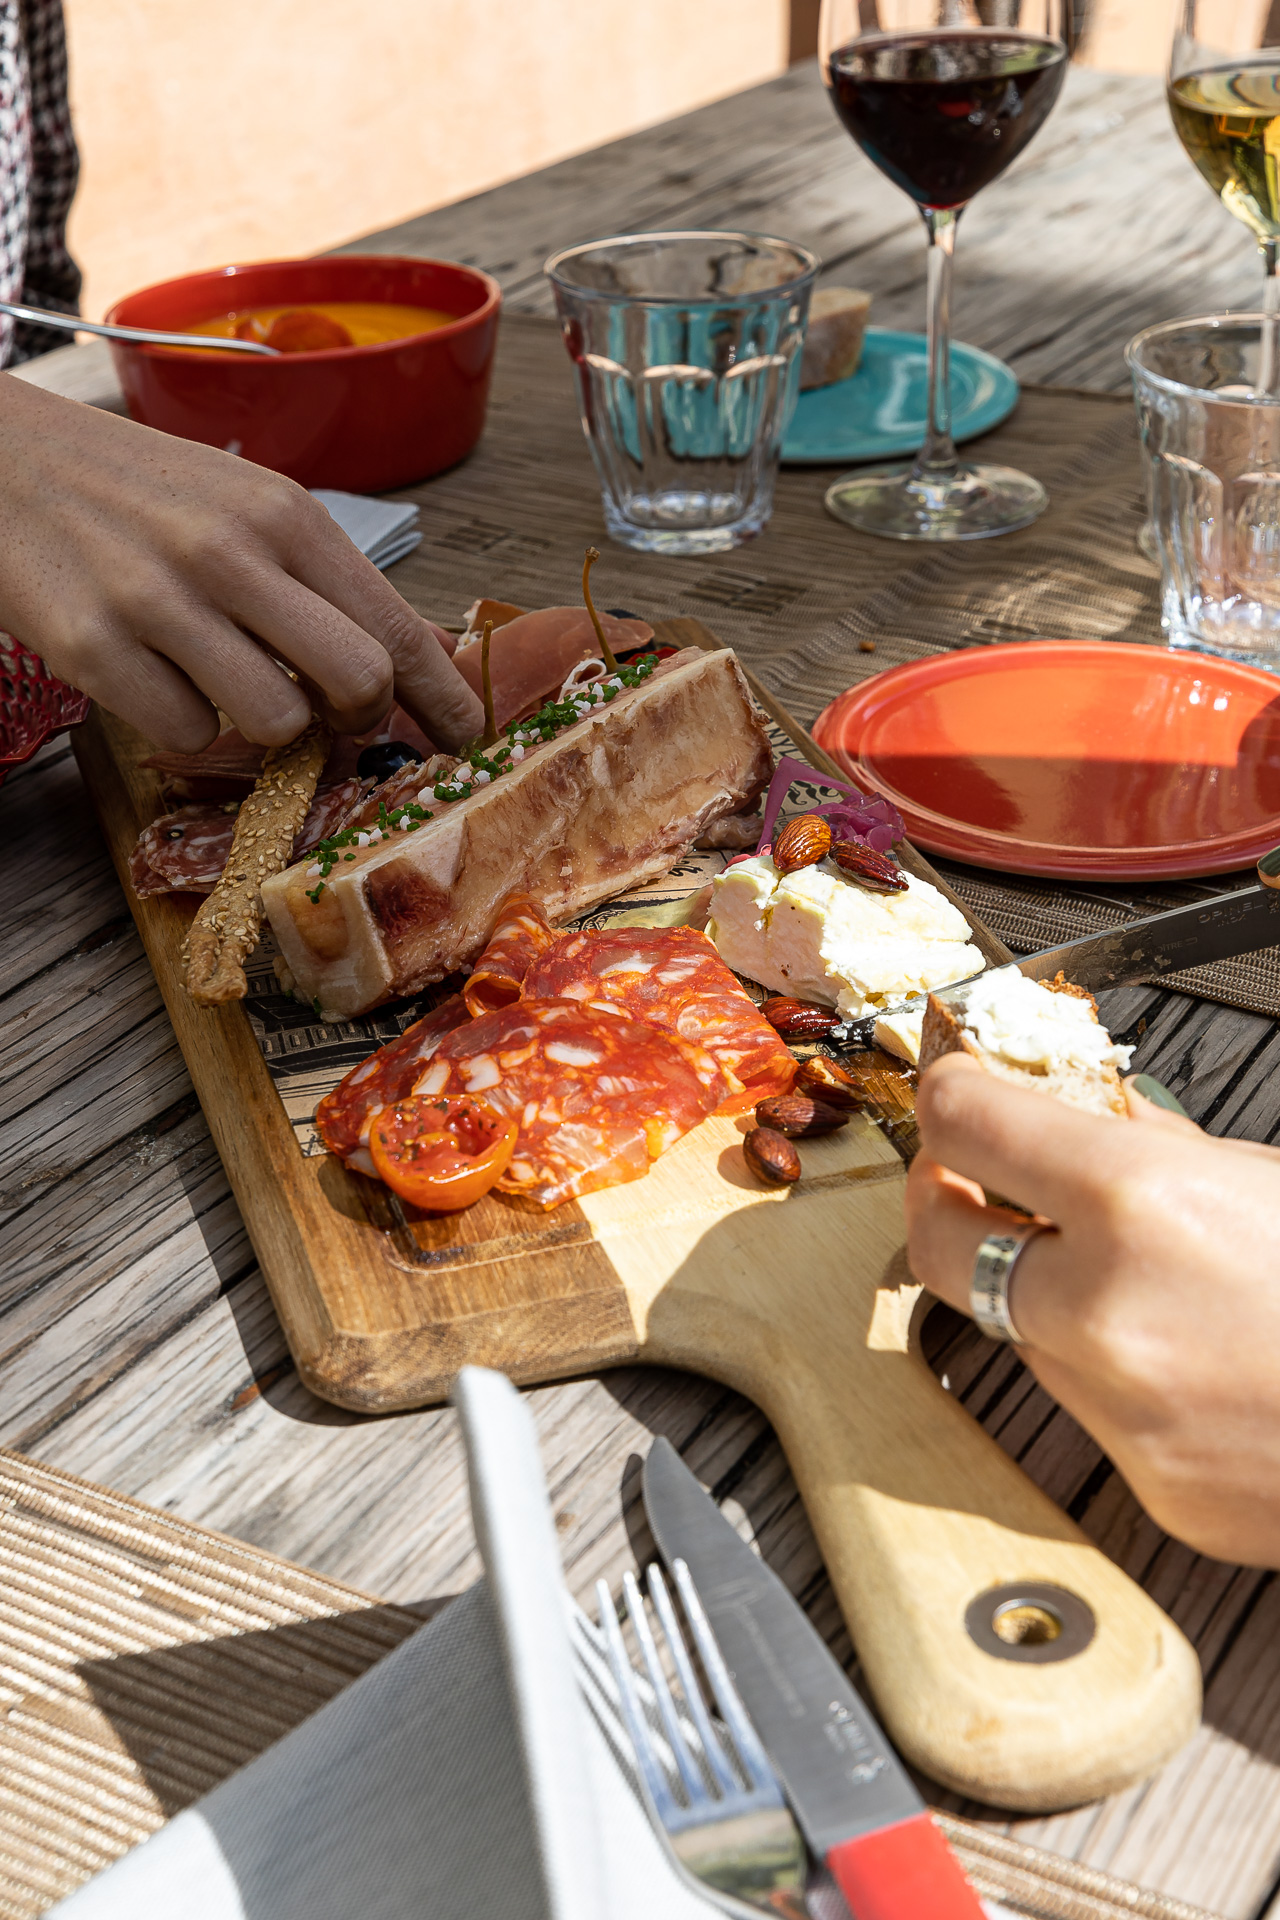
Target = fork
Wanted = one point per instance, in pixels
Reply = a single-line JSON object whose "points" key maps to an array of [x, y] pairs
{"points": [[730, 1828]]}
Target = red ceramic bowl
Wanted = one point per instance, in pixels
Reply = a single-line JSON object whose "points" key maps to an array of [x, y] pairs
{"points": [[361, 418]]}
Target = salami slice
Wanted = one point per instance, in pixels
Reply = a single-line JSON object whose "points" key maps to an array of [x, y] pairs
{"points": [[676, 979], [598, 1096], [186, 850], [390, 1074], [519, 938], [182, 852]]}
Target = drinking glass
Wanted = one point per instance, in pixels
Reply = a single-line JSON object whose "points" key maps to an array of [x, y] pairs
{"points": [[941, 95], [687, 351], [1224, 96], [1211, 444]]}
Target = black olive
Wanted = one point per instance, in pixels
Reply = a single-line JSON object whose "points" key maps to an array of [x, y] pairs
{"points": [[623, 613], [386, 757]]}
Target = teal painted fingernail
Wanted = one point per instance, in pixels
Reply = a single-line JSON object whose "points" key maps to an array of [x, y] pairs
{"points": [[1269, 865], [1158, 1094]]}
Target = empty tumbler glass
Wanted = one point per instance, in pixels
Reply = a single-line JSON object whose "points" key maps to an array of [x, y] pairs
{"points": [[687, 352], [1209, 416]]}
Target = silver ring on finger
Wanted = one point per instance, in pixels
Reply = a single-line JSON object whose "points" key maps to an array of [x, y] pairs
{"points": [[993, 1269]]}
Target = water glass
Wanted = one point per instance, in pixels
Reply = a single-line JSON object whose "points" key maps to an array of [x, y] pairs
{"points": [[687, 352], [1209, 417]]}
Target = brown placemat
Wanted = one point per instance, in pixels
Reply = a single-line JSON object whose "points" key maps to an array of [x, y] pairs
{"points": [[143, 1660], [799, 602]]}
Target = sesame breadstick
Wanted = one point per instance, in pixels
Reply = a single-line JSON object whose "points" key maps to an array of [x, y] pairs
{"points": [[226, 929]]}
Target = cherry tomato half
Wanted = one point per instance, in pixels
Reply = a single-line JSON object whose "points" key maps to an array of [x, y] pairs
{"points": [[303, 330], [441, 1153]]}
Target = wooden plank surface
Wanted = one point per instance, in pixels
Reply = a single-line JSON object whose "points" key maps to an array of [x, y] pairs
{"points": [[138, 1345]]}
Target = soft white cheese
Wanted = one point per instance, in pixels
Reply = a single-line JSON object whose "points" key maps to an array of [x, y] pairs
{"points": [[1018, 1021], [817, 936], [901, 1033]]}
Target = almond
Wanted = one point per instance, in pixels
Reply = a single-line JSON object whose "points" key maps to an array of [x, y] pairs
{"points": [[802, 843], [799, 1019], [771, 1157], [799, 1116], [826, 1080], [873, 869]]}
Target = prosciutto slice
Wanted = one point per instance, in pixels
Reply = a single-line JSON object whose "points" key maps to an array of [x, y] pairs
{"points": [[611, 802], [675, 979], [531, 657]]}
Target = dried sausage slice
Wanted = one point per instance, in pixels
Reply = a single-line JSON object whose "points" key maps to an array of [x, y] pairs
{"points": [[521, 935], [598, 1096], [676, 979], [186, 850], [390, 1074]]}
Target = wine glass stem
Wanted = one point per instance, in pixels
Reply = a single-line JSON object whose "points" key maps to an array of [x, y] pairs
{"points": [[936, 459], [1269, 369]]}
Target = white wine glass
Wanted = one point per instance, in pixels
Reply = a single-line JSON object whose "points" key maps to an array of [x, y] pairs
{"points": [[1224, 97], [941, 95]]}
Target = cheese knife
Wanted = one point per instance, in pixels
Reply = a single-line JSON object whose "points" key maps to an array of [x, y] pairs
{"points": [[1219, 928], [854, 1801]]}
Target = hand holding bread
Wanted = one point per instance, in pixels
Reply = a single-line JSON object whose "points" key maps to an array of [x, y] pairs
{"points": [[1152, 1313]]}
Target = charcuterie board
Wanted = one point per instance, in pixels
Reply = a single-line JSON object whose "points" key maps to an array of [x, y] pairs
{"points": [[800, 1298]]}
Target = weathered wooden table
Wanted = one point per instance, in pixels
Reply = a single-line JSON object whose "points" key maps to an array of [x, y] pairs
{"points": [[139, 1345]]}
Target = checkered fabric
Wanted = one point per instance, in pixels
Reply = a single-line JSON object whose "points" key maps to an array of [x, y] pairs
{"points": [[39, 167]]}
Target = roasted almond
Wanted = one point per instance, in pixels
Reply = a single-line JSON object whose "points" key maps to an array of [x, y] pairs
{"points": [[799, 1116], [771, 1157], [873, 869], [802, 843], [827, 1081], [799, 1019]]}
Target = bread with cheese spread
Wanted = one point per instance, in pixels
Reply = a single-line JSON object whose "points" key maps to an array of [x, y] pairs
{"points": [[1040, 1034]]}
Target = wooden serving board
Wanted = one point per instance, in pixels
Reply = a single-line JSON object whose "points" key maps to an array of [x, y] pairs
{"points": [[800, 1299]]}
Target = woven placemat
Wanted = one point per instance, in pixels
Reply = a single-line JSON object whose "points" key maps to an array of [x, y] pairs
{"points": [[802, 601], [143, 1660]]}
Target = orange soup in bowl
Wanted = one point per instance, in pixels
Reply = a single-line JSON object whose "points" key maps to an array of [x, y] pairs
{"points": [[321, 326]]}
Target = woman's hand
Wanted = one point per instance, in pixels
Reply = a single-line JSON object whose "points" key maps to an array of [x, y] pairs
{"points": [[1152, 1314], [162, 577]]}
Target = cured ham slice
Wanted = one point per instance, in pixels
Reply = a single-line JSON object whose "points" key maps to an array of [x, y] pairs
{"points": [[531, 657], [520, 937], [390, 1074], [675, 979], [610, 802], [186, 850], [598, 1097]]}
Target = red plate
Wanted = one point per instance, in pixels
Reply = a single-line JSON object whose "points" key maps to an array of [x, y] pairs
{"points": [[1091, 759]]}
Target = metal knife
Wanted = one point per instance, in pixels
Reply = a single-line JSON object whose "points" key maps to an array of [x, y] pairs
{"points": [[855, 1803], [1220, 928]]}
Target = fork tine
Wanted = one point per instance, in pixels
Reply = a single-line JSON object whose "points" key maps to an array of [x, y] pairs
{"points": [[652, 1773], [752, 1755], [689, 1774], [692, 1691]]}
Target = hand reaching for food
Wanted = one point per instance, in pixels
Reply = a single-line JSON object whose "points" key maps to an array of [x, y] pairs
{"points": [[168, 580], [1152, 1313]]}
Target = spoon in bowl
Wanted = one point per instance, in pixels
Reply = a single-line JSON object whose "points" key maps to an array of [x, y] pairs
{"points": [[72, 323]]}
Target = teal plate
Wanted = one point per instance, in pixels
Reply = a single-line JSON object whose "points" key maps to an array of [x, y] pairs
{"points": [[879, 412]]}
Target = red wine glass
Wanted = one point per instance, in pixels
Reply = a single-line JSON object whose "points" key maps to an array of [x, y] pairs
{"points": [[941, 95]]}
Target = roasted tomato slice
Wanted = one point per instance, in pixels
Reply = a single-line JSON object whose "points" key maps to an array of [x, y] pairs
{"points": [[441, 1153]]}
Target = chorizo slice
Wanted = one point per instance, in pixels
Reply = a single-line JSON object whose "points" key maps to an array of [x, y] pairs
{"points": [[598, 1096], [390, 1074], [521, 936], [674, 978]]}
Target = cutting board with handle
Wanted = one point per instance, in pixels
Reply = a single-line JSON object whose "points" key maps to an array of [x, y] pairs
{"points": [[1009, 1658]]}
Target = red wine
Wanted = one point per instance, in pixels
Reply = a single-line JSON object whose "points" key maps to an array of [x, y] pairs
{"points": [[943, 113]]}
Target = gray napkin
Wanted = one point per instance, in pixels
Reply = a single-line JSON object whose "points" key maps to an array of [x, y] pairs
{"points": [[385, 530]]}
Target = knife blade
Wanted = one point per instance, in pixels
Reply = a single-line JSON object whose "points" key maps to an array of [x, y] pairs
{"points": [[854, 1801]]}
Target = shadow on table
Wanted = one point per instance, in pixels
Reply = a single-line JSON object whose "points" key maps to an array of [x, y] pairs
{"points": [[190, 1715]]}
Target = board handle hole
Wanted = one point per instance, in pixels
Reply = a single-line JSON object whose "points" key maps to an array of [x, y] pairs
{"points": [[1026, 1623]]}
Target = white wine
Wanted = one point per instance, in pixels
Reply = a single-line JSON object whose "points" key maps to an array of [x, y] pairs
{"points": [[1228, 119]]}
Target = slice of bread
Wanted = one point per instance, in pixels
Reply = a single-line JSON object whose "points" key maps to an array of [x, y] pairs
{"points": [[833, 343], [1075, 1066]]}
